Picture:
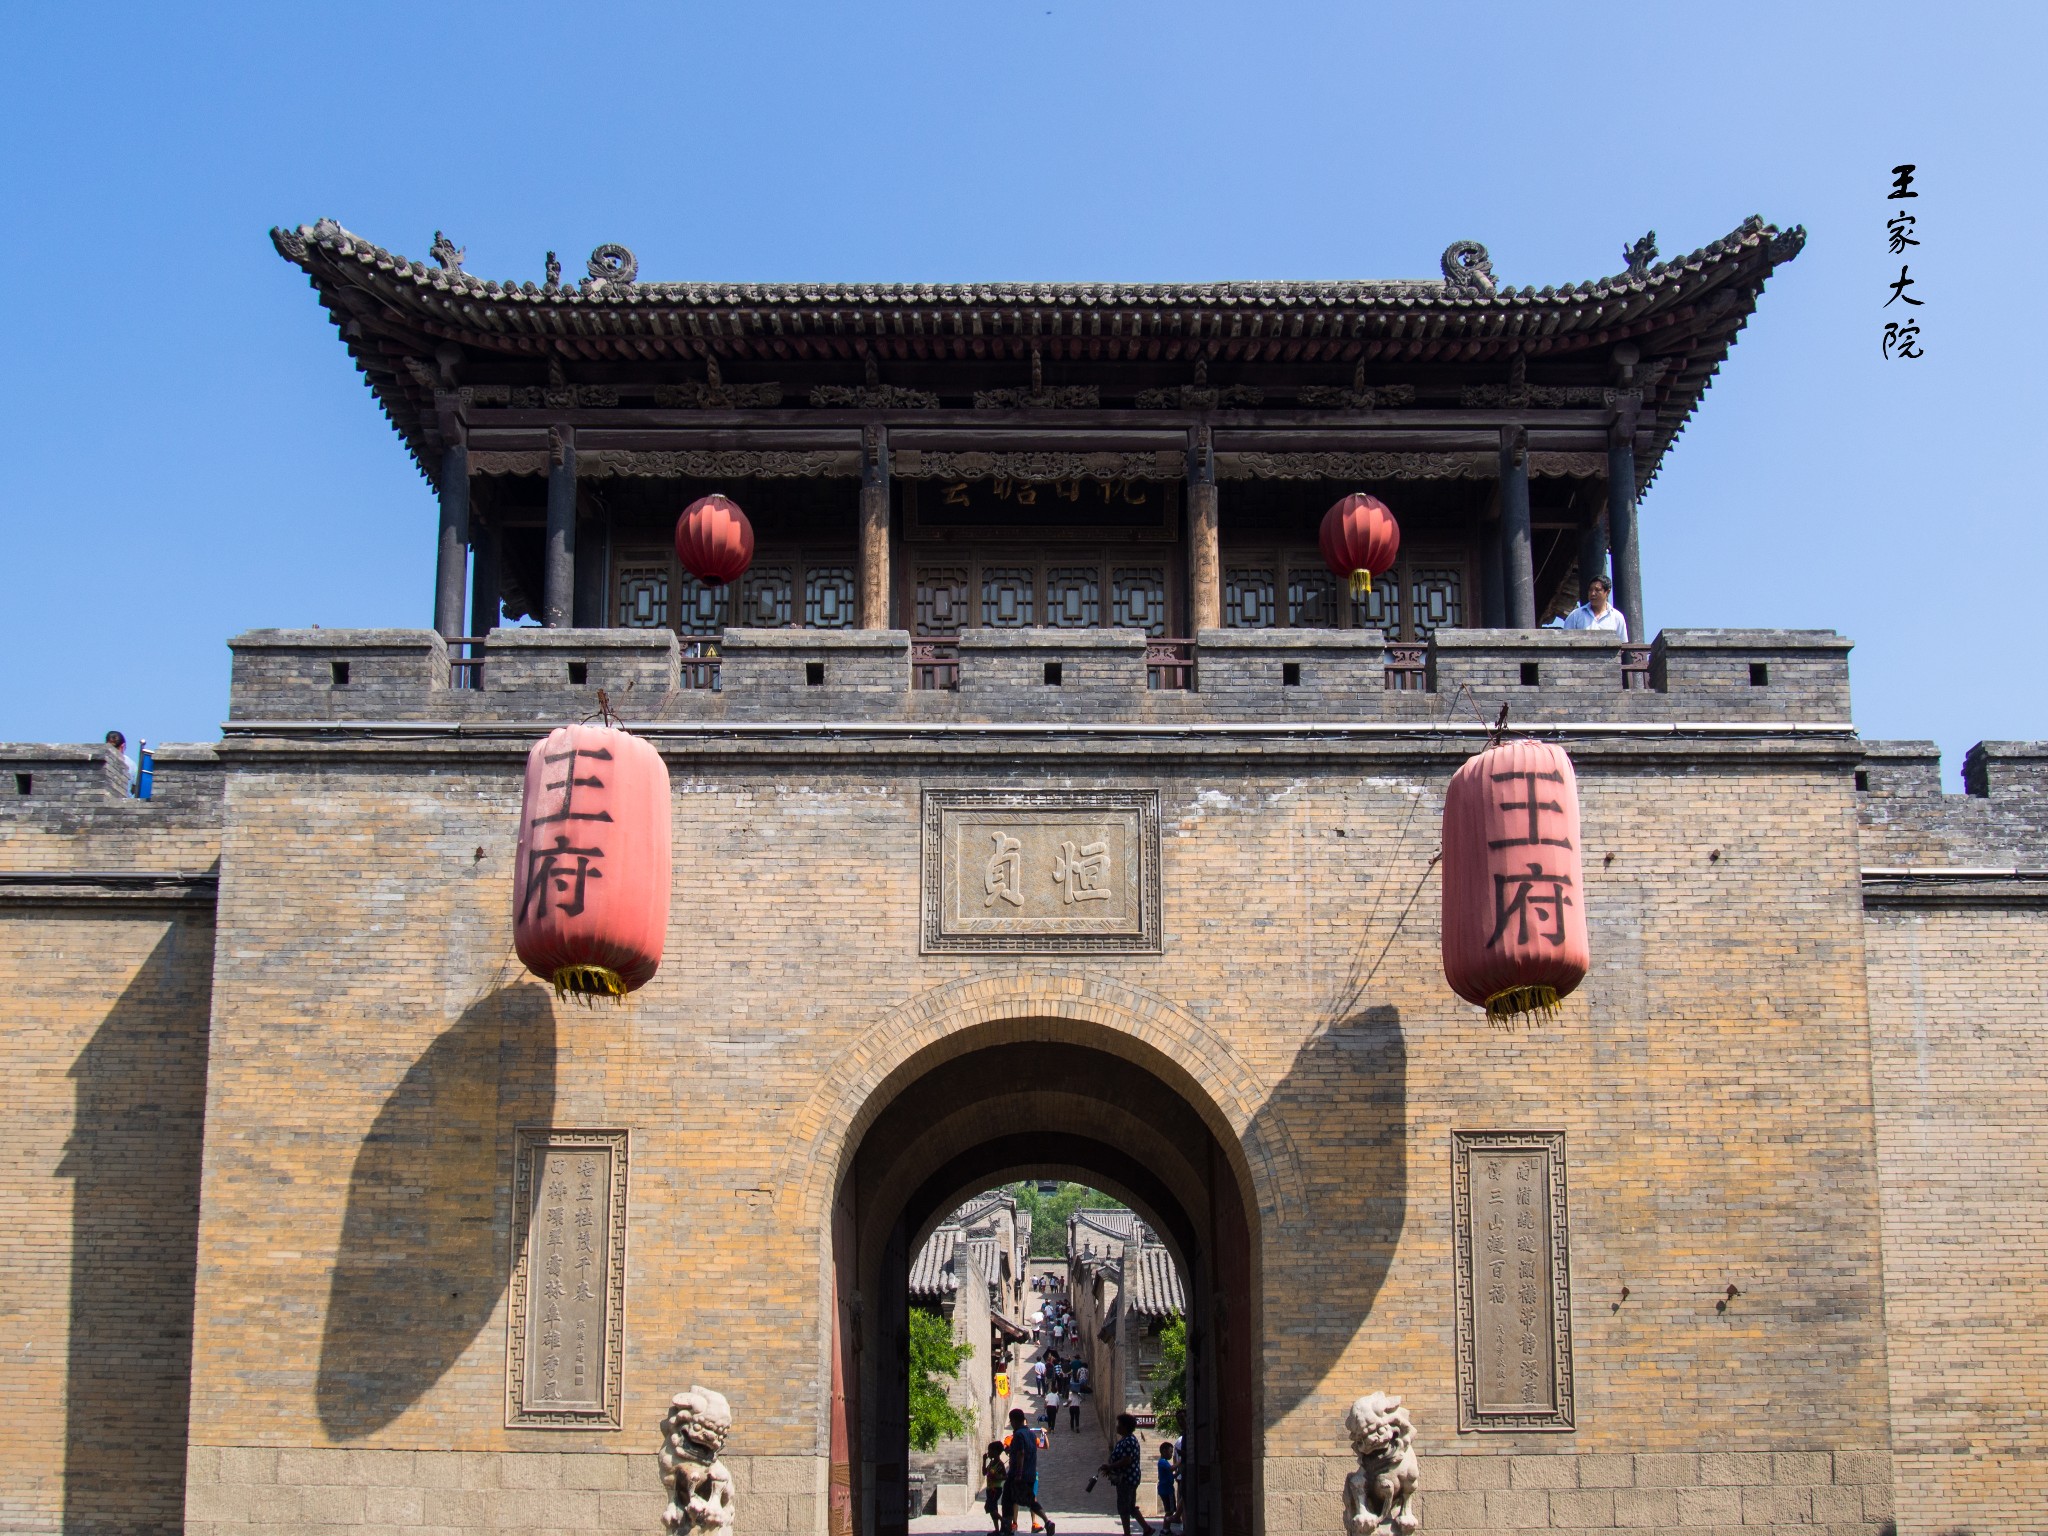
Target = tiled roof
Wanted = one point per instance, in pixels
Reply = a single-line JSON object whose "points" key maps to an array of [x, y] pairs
{"points": [[784, 319], [1107, 1227], [933, 1272], [1151, 1282], [396, 314]]}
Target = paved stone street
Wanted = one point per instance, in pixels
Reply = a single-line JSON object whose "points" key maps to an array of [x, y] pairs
{"points": [[1064, 1467]]}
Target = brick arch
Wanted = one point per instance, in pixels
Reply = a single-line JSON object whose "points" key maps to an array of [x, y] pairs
{"points": [[1039, 1004]]}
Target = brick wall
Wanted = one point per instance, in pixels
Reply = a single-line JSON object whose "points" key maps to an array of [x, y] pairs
{"points": [[100, 1111], [106, 960], [1960, 1072]]}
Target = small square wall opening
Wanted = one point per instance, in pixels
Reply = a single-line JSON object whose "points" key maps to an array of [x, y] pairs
{"points": [[24, 783], [1531, 676], [1759, 674], [1052, 674], [1290, 674], [814, 674], [579, 673], [1862, 780], [337, 673]]}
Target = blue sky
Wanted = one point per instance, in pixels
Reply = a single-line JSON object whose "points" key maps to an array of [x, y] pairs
{"points": [[191, 453]]}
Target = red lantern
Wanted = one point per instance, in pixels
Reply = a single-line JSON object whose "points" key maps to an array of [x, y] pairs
{"points": [[1514, 887], [590, 883], [1360, 539], [714, 540]]}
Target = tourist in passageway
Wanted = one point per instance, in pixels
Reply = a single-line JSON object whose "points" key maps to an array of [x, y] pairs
{"points": [[1020, 1484], [1053, 1398], [1126, 1471], [1167, 1508], [992, 1479]]}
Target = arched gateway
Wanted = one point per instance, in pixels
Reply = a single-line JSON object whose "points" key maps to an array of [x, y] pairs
{"points": [[999, 1106]]}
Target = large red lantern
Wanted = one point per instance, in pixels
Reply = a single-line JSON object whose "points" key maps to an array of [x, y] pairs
{"points": [[714, 540], [1514, 885], [1360, 539], [590, 883]]}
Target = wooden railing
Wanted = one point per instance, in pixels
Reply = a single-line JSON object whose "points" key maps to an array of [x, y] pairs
{"points": [[935, 662], [1407, 668], [700, 663], [1169, 664], [1635, 666], [466, 671]]}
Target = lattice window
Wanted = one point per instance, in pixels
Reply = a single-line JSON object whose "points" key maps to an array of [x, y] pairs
{"points": [[1311, 598], [765, 598], [1006, 597], [828, 597], [941, 600], [1437, 597], [643, 597], [1381, 607], [1248, 597], [1138, 599], [701, 610], [1073, 597]]}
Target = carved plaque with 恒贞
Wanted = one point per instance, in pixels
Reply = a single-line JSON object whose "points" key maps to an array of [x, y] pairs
{"points": [[1046, 871], [565, 1337], [1512, 1235]]}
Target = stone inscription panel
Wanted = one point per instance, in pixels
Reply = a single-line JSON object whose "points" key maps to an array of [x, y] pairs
{"points": [[566, 1331], [1044, 871], [1513, 1280]]}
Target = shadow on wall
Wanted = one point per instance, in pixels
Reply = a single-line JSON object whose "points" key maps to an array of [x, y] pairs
{"points": [[423, 1255], [133, 1159], [1344, 1105]]}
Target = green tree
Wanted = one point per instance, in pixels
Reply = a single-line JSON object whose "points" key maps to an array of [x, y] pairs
{"points": [[1049, 1213], [933, 1353], [1170, 1379]]}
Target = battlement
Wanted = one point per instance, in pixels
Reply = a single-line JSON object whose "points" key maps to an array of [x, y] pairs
{"points": [[2000, 822], [1790, 677]]}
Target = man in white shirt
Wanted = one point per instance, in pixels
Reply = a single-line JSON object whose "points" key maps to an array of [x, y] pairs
{"points": [[1596, 612]]}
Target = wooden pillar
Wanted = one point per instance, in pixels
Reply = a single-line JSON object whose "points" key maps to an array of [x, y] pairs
{"points": [[874, 528], [1518, 568], [558, 592], [486, 591], [593, 561], [1205, 559], [451, 558], [1592, 549], [1621, 525], [1493, 603]]}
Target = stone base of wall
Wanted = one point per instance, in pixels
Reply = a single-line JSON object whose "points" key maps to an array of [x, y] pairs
{"points": [[240, 1490], [1743, 1493]]}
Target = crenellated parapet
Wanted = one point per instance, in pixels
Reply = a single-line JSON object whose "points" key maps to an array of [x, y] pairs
{"points": [[1922, 845], [1789, 680]]}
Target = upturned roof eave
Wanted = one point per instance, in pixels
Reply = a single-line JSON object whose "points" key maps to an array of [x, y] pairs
{"points": [[1418, 319]]}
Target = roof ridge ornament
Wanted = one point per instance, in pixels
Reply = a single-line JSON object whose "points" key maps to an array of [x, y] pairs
{"points": [[445, 251], [1468, 270], [1640, 255], [612, 266]]}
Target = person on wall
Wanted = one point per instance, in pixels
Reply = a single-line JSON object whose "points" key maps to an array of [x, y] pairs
{"points": [[1596, 612]]}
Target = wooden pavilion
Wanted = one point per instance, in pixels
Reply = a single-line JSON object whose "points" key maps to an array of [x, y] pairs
{"points": [[941, 457]]}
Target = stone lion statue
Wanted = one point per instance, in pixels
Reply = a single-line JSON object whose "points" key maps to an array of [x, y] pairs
{"points": [[1378, 1496], [699, 1486]]}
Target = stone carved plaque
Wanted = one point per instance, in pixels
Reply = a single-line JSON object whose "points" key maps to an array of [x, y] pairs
{"points": [[1041, 871], [565, 1337], [1513, 1280]]}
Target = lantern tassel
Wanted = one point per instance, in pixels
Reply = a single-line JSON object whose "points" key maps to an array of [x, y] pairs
{"points": [[1522, 1005], [587, 983], [1361, 584]]}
